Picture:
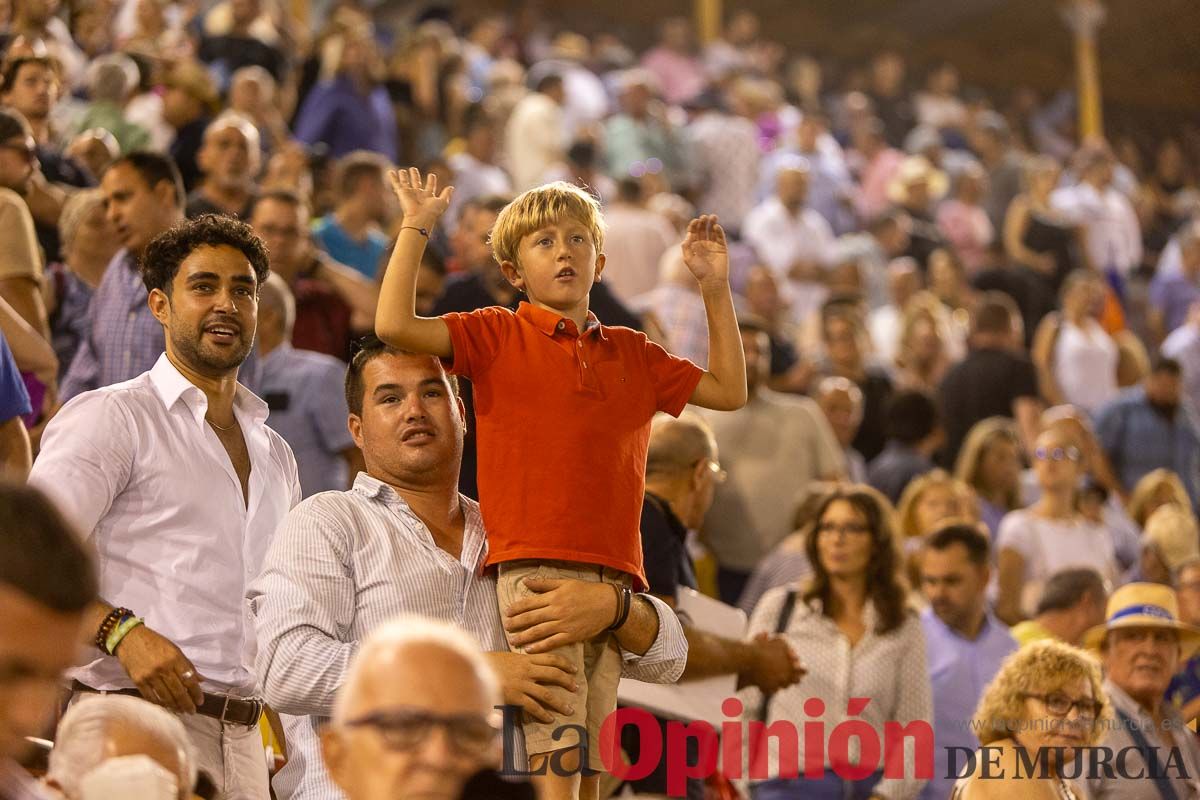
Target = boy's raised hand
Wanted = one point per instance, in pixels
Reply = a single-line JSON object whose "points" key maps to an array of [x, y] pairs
{"points": [[705, 251], [417, 201]]}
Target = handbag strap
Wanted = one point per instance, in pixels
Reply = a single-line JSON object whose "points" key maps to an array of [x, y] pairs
{"points": [[781, 625], [1165, 790]]}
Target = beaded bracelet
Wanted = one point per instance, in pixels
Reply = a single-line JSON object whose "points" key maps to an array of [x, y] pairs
{"points": [[111, 621]]}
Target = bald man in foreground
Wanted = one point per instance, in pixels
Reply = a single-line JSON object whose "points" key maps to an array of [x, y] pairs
{"points": [[416, 716]]}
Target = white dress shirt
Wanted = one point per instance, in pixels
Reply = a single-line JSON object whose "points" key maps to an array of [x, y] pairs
{"points": [[141, 474], [1114, 237], [535, 139], [782, 239], [345, 563]]}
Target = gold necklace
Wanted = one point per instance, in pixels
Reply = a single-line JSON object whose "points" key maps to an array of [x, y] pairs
{"points": [[222, 428]]}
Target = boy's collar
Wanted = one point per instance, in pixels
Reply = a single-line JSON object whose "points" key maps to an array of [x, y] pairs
{"points": [[549, 322]]}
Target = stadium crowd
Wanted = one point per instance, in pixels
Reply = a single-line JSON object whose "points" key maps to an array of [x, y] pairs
{"points": [[960, 479]]}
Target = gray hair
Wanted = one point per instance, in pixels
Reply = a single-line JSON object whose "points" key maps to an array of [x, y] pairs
{"points": [[80, 743], [677, 444], [275, 294], [111, 77], [244, 125], [75, 211], [406, 631]]}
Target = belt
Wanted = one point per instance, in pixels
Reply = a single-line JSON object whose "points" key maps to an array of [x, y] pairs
{"points": [[227, 710]]}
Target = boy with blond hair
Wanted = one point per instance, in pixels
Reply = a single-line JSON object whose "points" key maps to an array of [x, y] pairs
{"points": [[563, 410]]}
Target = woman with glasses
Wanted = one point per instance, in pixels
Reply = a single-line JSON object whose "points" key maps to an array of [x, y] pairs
{"points": [[864, 651], [1035, 542], [1047, 696]]}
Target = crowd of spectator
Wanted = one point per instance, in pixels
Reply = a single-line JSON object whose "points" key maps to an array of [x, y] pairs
{"points": [[972, 420]]}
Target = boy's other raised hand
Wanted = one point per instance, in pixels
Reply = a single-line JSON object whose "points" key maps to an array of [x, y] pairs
{"points": [[705, 251], [419, 201]]}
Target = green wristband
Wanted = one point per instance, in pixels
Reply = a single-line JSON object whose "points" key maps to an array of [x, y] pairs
{"points": [[120, 632]]}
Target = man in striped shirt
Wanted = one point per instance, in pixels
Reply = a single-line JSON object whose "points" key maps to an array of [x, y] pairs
{"points": [[403, 540]]}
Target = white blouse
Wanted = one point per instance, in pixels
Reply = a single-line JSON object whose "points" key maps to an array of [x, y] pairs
{"points": [[1085, 365]]}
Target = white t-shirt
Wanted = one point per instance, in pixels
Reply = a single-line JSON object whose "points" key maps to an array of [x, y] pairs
{"points": [[1085, 365], [1050, 545]]}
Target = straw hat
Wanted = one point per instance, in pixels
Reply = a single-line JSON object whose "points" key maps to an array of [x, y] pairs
{"points": [[1172, 530], [917, 169], [1144, 605]]}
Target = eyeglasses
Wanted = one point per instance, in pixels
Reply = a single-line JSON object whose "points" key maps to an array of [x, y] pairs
{"points": [[1060, 705], [850, 528], [1057, 454], [402, 730], [22, 149]]}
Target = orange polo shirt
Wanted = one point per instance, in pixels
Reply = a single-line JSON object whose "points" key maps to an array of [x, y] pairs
{"points": [[563, 425]]}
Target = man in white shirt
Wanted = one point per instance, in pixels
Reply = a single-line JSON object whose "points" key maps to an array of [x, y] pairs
{"points": [[475, 170], [634, 242], [180, 485], [1111, 230], [793, 240], [536, 135], [405, 541]]}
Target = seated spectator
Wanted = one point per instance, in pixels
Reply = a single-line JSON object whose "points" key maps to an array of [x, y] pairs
{"points": [[1142, 644], [635, 241], [476, 173], [229, 160], [875, 164], [535, 135], [110, 740], [1076, 358], [303, 391], [922, 354], [640, 133], [112, 80], [1158, 488], [188, 105], [350, 110], [962, 220], [842, 403], [752, 511], [1050, 535], [792, 239], [886, 237], [1145, 429], [846, 347], [994, 380], [47, 582], [242, 43], [89, 244], [763, 299], [1072, 602], [1173, 294], [416, 715], [1184, 691], [332, 300], [254, 94], [990, 463], [351, 233], [916, 188], [887, 321], [964, 643], [914, 434], [1171, 539], [851, 627], [1046, 699]]}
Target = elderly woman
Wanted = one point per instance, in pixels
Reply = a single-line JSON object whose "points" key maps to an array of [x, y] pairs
{"points": [[852, 628], [1046, 696], [990, 463]]}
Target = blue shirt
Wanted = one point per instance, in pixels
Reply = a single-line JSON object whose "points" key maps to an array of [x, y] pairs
{"points": [[1139, 439], [14, 398], [1173, 295], [959, 670], [335, 113], [123, 339], [303, 391], [363, 256]]}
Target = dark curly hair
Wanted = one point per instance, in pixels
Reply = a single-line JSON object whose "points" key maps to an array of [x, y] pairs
{"points": [[160, 263], [886, 586]]}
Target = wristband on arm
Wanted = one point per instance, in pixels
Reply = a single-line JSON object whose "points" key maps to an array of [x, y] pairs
{"points": [[624, 604]]}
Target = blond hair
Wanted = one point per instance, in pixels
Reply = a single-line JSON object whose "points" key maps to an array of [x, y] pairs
{"points": [[984, 434], [1143, 493], [1172, 530], [542, 206], [1038, 668], [916, 489]]}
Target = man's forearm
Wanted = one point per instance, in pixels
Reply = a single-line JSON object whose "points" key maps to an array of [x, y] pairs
{"points": [[726, 361], [638, 633], [710, 655]]}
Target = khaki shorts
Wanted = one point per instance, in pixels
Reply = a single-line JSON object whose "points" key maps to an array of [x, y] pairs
{"points": [[597, 662]]}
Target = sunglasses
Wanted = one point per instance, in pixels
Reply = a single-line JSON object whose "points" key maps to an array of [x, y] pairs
{"points": [[1057, 454]]}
